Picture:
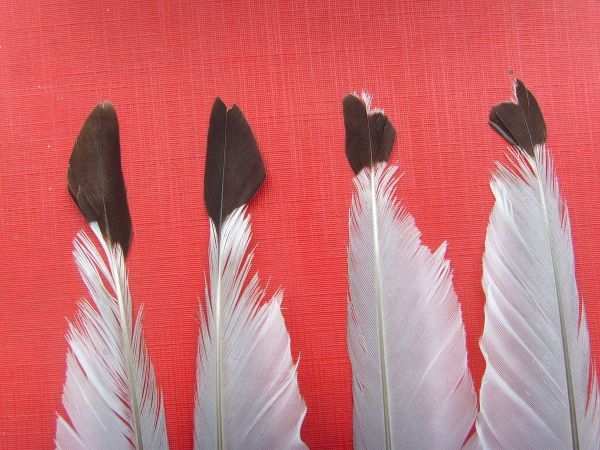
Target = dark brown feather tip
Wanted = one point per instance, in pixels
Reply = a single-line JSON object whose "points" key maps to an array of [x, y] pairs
{"points": [[95, 178], [520, 122], [369, 134], [234, 168]]}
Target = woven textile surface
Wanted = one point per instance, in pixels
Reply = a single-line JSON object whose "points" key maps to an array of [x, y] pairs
{"points": [[435, 67]]}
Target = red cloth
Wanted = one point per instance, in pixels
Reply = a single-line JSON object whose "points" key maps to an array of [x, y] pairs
{"points": [[435, 67]]}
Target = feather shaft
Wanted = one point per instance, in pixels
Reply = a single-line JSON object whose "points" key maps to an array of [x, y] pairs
{"points": [[379, 301], [128, 355], [218, 362], [125, 328], [560, 301]]}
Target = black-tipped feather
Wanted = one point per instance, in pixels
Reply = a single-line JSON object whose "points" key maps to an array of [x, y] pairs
{"points": [[234, 168], [95, 177], [521, 123], [247, 391], [411, 389], [540, 387], [369, 134]]}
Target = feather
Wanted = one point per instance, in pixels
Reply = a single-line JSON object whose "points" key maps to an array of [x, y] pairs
{"points": [[539, 389], [247, 388], [110, 392], [411, 385]]}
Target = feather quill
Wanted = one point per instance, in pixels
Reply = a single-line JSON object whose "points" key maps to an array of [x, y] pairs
{"points": [[411, 385], [539, 389], [110, 393], [247, 388]]}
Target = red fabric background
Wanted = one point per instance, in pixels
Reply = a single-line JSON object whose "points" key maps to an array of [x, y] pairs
{"points": [[435, 67]]}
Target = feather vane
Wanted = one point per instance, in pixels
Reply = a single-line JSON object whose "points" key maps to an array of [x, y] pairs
{"points": [[110, 393], [257, 395]]}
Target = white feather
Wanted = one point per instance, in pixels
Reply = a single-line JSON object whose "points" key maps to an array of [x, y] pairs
{"points": [[412, 388], [110, 393], [247, 388], [529, 282]]}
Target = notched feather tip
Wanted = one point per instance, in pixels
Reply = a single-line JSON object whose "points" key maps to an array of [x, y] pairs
{"points": [[520, 122], [234, 167], [95, 177], [369, 134]]}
